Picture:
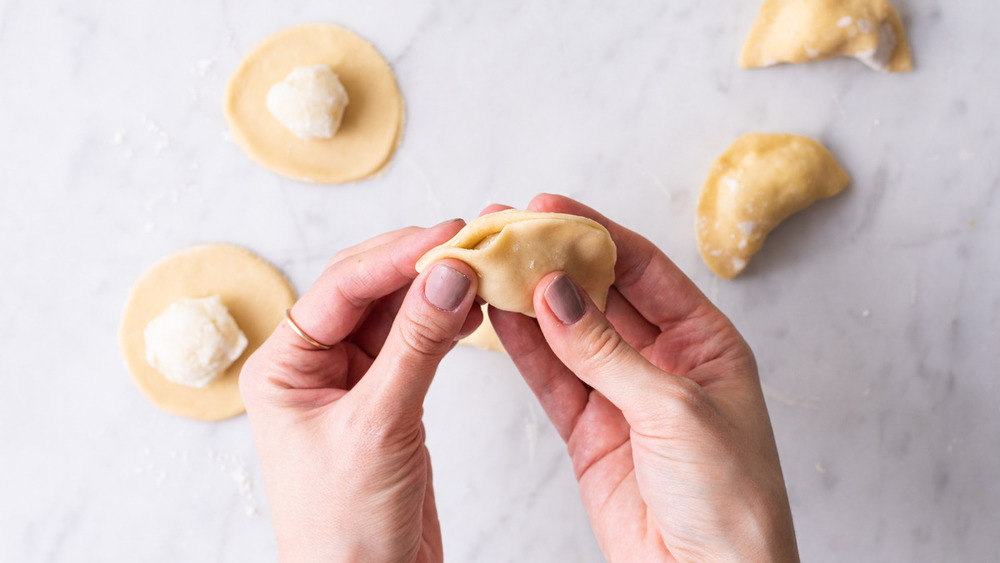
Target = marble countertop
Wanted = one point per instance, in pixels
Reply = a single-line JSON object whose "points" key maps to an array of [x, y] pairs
{"points": [[875, 315]]}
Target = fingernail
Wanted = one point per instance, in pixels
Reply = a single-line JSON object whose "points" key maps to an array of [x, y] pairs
{"points": [[445, 287], [564, 300]]}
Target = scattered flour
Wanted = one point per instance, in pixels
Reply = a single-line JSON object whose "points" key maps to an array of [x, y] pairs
{"points": [[203, 66], [162, 139], [235, 467]]}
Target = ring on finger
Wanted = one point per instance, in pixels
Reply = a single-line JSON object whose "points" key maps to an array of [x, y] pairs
{"points": [[302, 334]]}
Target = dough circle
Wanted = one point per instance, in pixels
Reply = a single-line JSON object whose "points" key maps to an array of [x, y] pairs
{"points": [[256, 294], [373, 120]]}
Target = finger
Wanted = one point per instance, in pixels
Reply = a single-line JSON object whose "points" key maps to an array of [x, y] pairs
{"points": [[494, 208], [472, 321], [562, 395], [336, 303], [634, 328], [657, 288], [373, 242], [693, 330], [370, 335], [426, 328], [359, 362], [587, 343], [373, 329]]}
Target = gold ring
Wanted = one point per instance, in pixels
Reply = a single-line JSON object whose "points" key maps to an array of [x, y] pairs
{"points": [[302, 333]]}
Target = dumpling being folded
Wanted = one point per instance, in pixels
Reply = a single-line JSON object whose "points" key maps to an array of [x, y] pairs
{"points": [[797, 31], [511, 251]]}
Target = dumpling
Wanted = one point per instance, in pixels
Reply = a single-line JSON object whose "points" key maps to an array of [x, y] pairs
{"points": [[512, 250], [756, 184], [797, 31]]}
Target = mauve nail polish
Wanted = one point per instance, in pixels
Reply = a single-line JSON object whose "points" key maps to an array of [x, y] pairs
{"points": [[445, 287], [564, 300]]}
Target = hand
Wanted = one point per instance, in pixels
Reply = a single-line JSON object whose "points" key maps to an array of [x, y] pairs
{"points": [[661, 409], [339, 431]]}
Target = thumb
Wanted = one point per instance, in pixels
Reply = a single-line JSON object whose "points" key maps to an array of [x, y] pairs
{"points": [[589, 345], [424, 330]]}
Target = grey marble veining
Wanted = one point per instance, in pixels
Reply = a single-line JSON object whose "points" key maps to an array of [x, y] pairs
{"points": [[875, 315]]}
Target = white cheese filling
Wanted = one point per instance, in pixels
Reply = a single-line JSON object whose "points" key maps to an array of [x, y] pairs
{"points": [[193, 341], [310, 102]]}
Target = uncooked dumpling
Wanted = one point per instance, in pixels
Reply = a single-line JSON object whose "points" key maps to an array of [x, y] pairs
{"points": [[797, 31], [512, 250], [755, 185]]}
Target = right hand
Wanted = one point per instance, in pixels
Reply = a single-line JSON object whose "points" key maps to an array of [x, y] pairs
{"points": [[661, 408]]}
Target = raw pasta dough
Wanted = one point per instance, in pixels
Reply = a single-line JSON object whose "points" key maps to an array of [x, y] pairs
{"points": [[484, 337], [253, 290], [756, 184], [512, 250], [796, 31], [371, 125]]}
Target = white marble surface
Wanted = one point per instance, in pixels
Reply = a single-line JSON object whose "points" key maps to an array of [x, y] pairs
{"points": [[875, 316]]}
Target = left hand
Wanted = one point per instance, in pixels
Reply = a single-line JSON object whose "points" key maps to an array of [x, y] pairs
{"points": [[339, 431], [659, 402]]}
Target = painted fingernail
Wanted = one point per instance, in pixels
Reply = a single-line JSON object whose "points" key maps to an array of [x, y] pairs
{"points": [[564, 300], [445, 287]]}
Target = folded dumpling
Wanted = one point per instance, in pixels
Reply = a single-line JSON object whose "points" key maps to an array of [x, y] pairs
{"points": [[512, 250], [797, 31], [756, 184]]}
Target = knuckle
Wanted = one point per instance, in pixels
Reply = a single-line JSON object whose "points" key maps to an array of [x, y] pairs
{"points": [[424, 335], [687, 397], [375, 429], [601, 344], [351, 286], [261, 378], [676, 400]]}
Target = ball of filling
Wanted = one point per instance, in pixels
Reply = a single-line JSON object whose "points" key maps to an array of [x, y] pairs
{"points": [[310, 102], [193, 341]]}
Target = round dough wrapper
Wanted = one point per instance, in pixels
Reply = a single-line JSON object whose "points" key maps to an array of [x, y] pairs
{"points": [[256, 294], [512, 250], [373, 120]]}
